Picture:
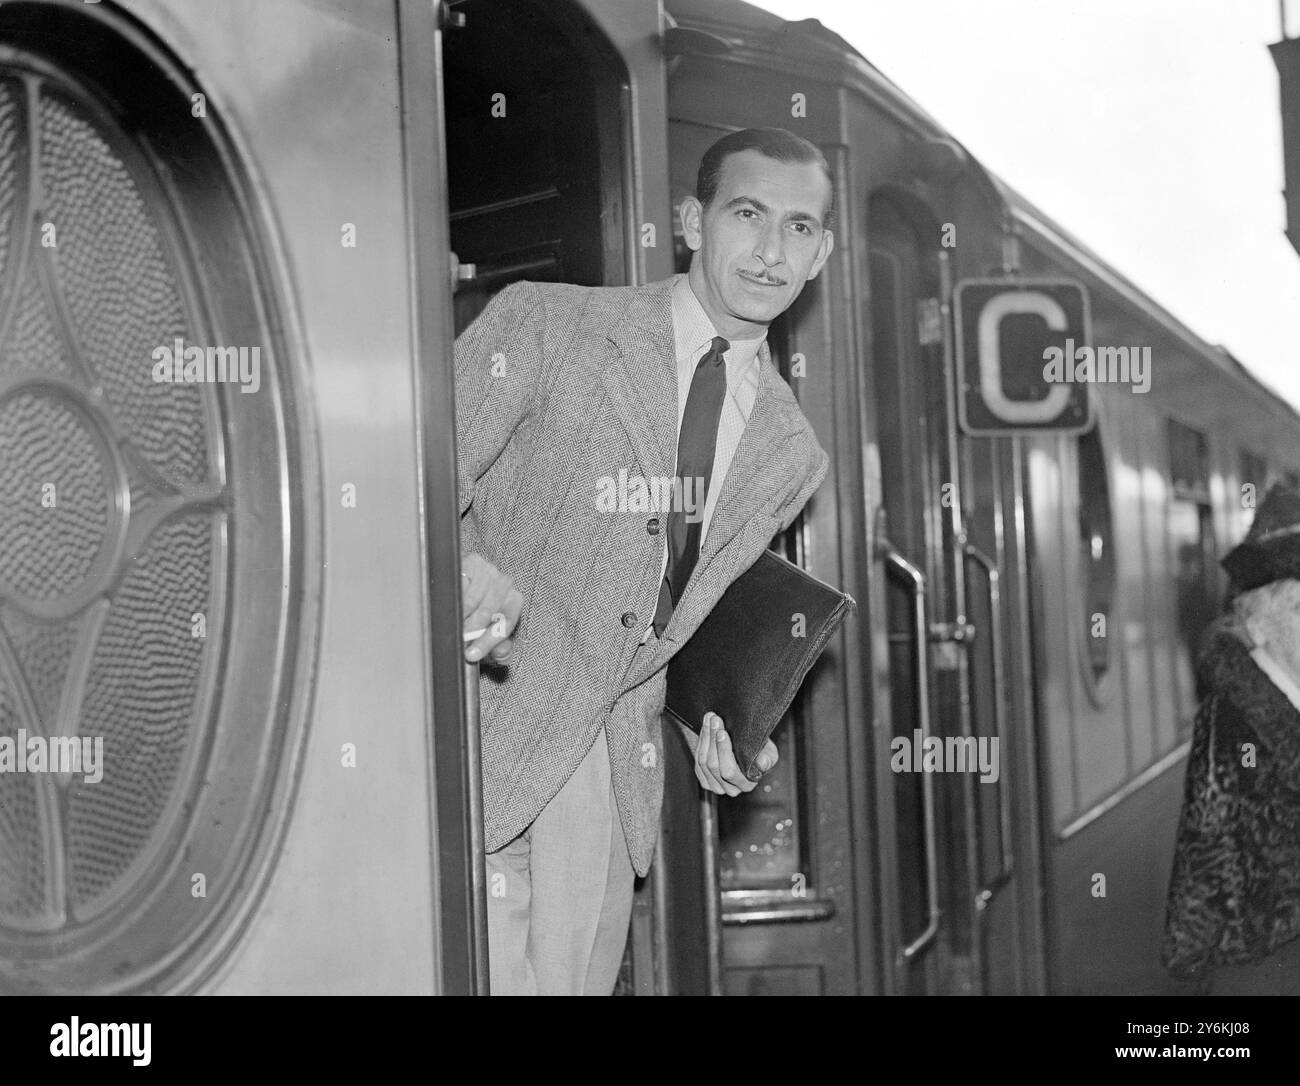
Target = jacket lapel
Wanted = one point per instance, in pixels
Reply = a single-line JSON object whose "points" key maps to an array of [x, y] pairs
{"points": [[641, 378], [750, 480]]}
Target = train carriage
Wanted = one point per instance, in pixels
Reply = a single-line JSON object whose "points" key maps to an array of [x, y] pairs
{"points": [[251, 593]]}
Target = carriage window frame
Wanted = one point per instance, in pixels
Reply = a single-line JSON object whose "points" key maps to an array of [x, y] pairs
{"points": [[1253, 470], [1188, 450], [792, 892], [747, 897], [1097, 574]]}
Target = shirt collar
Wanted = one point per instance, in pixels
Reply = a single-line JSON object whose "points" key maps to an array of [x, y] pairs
{"points": [[693, 332]]}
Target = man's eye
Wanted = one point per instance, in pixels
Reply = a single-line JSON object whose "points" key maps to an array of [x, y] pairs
{"points": [[742, 212], [803, 228]]}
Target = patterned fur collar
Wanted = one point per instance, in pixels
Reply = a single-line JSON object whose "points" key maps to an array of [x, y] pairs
{"points": [[1227, 667]]}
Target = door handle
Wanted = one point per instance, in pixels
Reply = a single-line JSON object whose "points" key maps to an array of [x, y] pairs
{"points": [[916, 581], [1006, 861], [712, 893], [477, 834]]}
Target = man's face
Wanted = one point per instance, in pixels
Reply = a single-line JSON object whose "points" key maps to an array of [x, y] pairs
{"points": [[758, 242]]}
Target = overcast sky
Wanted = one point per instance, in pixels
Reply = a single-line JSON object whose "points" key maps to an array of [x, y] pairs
{"points": [[1150, 129]]}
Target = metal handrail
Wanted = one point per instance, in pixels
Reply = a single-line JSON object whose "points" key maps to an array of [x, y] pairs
{"points": [[712, 894], [1006, 865], [477, 835], [916, 578]]}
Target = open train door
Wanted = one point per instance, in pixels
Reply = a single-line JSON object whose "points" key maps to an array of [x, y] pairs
{"points": [[554, 118]]}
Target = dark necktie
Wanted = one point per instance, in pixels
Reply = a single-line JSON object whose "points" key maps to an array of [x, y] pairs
{"points": [[695, 448]]}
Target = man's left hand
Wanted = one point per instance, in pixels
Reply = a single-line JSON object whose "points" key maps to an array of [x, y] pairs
{"points": [[716, 767]]}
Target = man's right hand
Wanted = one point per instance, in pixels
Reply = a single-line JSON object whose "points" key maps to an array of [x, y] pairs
{"points": [[716, 767], [491, 603]]}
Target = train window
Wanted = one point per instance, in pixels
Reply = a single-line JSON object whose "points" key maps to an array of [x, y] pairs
{"points": [[1096, 557], [1191, 539], [1254, 470], [1189, 462], [534, 155], [1252, 485], [152, 589], [761, 834]]}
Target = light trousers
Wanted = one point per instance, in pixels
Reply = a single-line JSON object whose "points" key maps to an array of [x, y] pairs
{"points": [[560, 894]]}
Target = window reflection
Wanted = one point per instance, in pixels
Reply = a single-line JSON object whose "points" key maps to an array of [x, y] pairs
{"points": [[1191, 539], [759, 833], [1096, 542]]}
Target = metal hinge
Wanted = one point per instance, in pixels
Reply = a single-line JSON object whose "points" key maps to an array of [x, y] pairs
{"points": [[449, 18], [461, 273], [960, 632], [929, 321]]}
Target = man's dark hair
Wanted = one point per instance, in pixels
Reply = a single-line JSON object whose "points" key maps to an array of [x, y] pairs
{"points": [[775, 143]]}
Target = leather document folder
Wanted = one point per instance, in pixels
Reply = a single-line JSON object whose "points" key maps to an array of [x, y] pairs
{"points": [[746, 661]]}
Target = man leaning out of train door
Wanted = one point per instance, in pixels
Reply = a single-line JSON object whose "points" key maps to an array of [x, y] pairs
{"points": [[1232, 920], [560, 390]]}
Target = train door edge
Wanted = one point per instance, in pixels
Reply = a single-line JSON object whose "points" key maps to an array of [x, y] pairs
{"points": [[571, 96]]}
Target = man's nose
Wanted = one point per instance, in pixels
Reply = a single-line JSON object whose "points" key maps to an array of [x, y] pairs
{"points": [[770, 248]]}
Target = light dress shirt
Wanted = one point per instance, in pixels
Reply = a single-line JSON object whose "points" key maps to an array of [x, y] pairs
{"points": [[693, 335]]}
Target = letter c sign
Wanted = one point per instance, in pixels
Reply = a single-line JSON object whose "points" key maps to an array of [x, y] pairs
{"points": [[1003, 328]]}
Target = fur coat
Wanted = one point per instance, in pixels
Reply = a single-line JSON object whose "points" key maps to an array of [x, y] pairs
{"points": [[1234, 895]]}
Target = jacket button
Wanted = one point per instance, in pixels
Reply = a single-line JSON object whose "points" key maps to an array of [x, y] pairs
{"points": [[652, 525], [629, 619]]}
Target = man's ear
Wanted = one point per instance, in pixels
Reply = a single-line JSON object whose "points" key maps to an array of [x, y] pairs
{"points": [[823, 253], [692, 218]]}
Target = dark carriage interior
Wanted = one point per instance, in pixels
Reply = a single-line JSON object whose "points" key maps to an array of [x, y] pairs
{"points": [[535, 178]]}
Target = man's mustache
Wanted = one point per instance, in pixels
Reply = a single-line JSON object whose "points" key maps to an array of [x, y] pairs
{"points": [[763, 277]]}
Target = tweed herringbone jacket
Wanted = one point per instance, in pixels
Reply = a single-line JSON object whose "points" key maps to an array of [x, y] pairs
{"points": [[1234, 894], [557, 388]]}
